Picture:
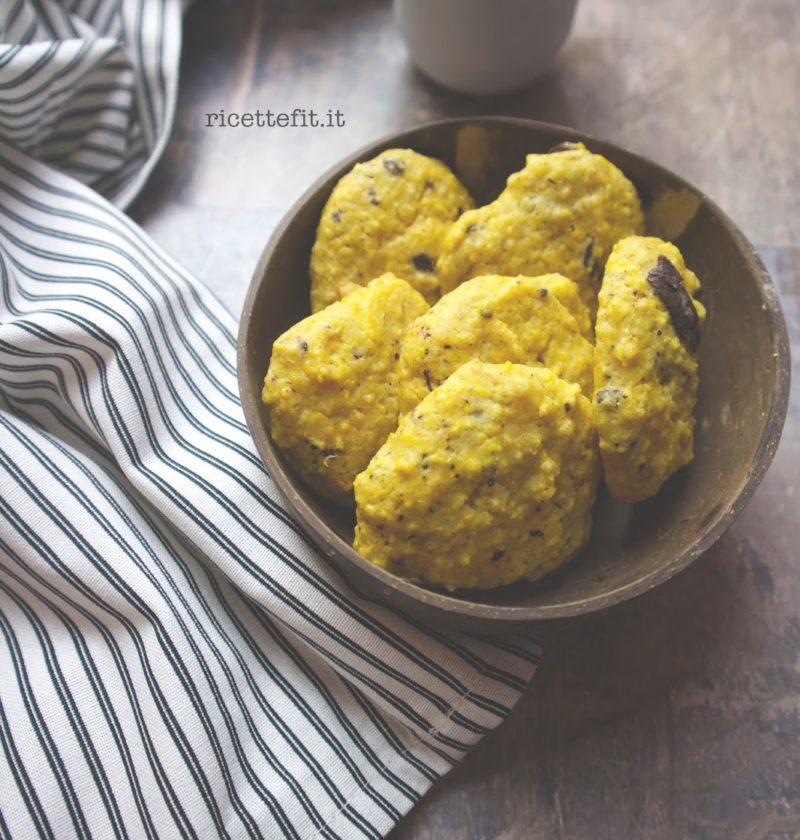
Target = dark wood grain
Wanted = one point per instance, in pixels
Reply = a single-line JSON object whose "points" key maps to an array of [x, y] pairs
{"points": [[676, 715]]}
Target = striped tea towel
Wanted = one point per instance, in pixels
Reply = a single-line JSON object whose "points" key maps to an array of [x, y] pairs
{"points": [[175, 658], [89, 86]]}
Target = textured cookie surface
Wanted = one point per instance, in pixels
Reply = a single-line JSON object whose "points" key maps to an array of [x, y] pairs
{"points": [[562, 212], [331, 385], [389, 214], [646, 369], [496, 319], [490, 480]]}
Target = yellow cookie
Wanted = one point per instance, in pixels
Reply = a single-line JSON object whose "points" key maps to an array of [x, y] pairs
{"points": [[562, 213], [490, 480], [648, 330], [388, 214], [495, 319], [331, 386]]}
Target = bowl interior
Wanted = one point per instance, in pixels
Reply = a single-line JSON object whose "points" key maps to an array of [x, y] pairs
{"points": [[742, 396]]}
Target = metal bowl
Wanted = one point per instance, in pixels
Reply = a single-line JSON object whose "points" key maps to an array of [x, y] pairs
{"points": [[744, 386]]}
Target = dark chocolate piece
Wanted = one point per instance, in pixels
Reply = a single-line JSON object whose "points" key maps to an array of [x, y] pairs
{"points": [[667, 283], [422, 262]]}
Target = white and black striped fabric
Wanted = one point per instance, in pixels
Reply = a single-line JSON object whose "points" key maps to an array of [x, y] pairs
{"points": [[89, 86], [175, 659]]}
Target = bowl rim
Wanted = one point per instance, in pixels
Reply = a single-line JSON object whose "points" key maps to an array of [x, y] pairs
{"points": [[336, 547]]}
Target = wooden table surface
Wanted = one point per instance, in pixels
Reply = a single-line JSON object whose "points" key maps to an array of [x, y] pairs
{"points": [[676, 715]]}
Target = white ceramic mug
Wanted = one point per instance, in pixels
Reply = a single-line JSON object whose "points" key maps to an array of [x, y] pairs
{"points": [[484, 46]]}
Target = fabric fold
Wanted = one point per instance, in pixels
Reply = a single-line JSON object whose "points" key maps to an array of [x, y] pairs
{"points": [[90, 87]]}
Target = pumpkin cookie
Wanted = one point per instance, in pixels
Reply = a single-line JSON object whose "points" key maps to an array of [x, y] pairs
{"points": [[648, 332], [388, 214], [562, 213], [331, 386], [496, 319], [490, 480]]}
